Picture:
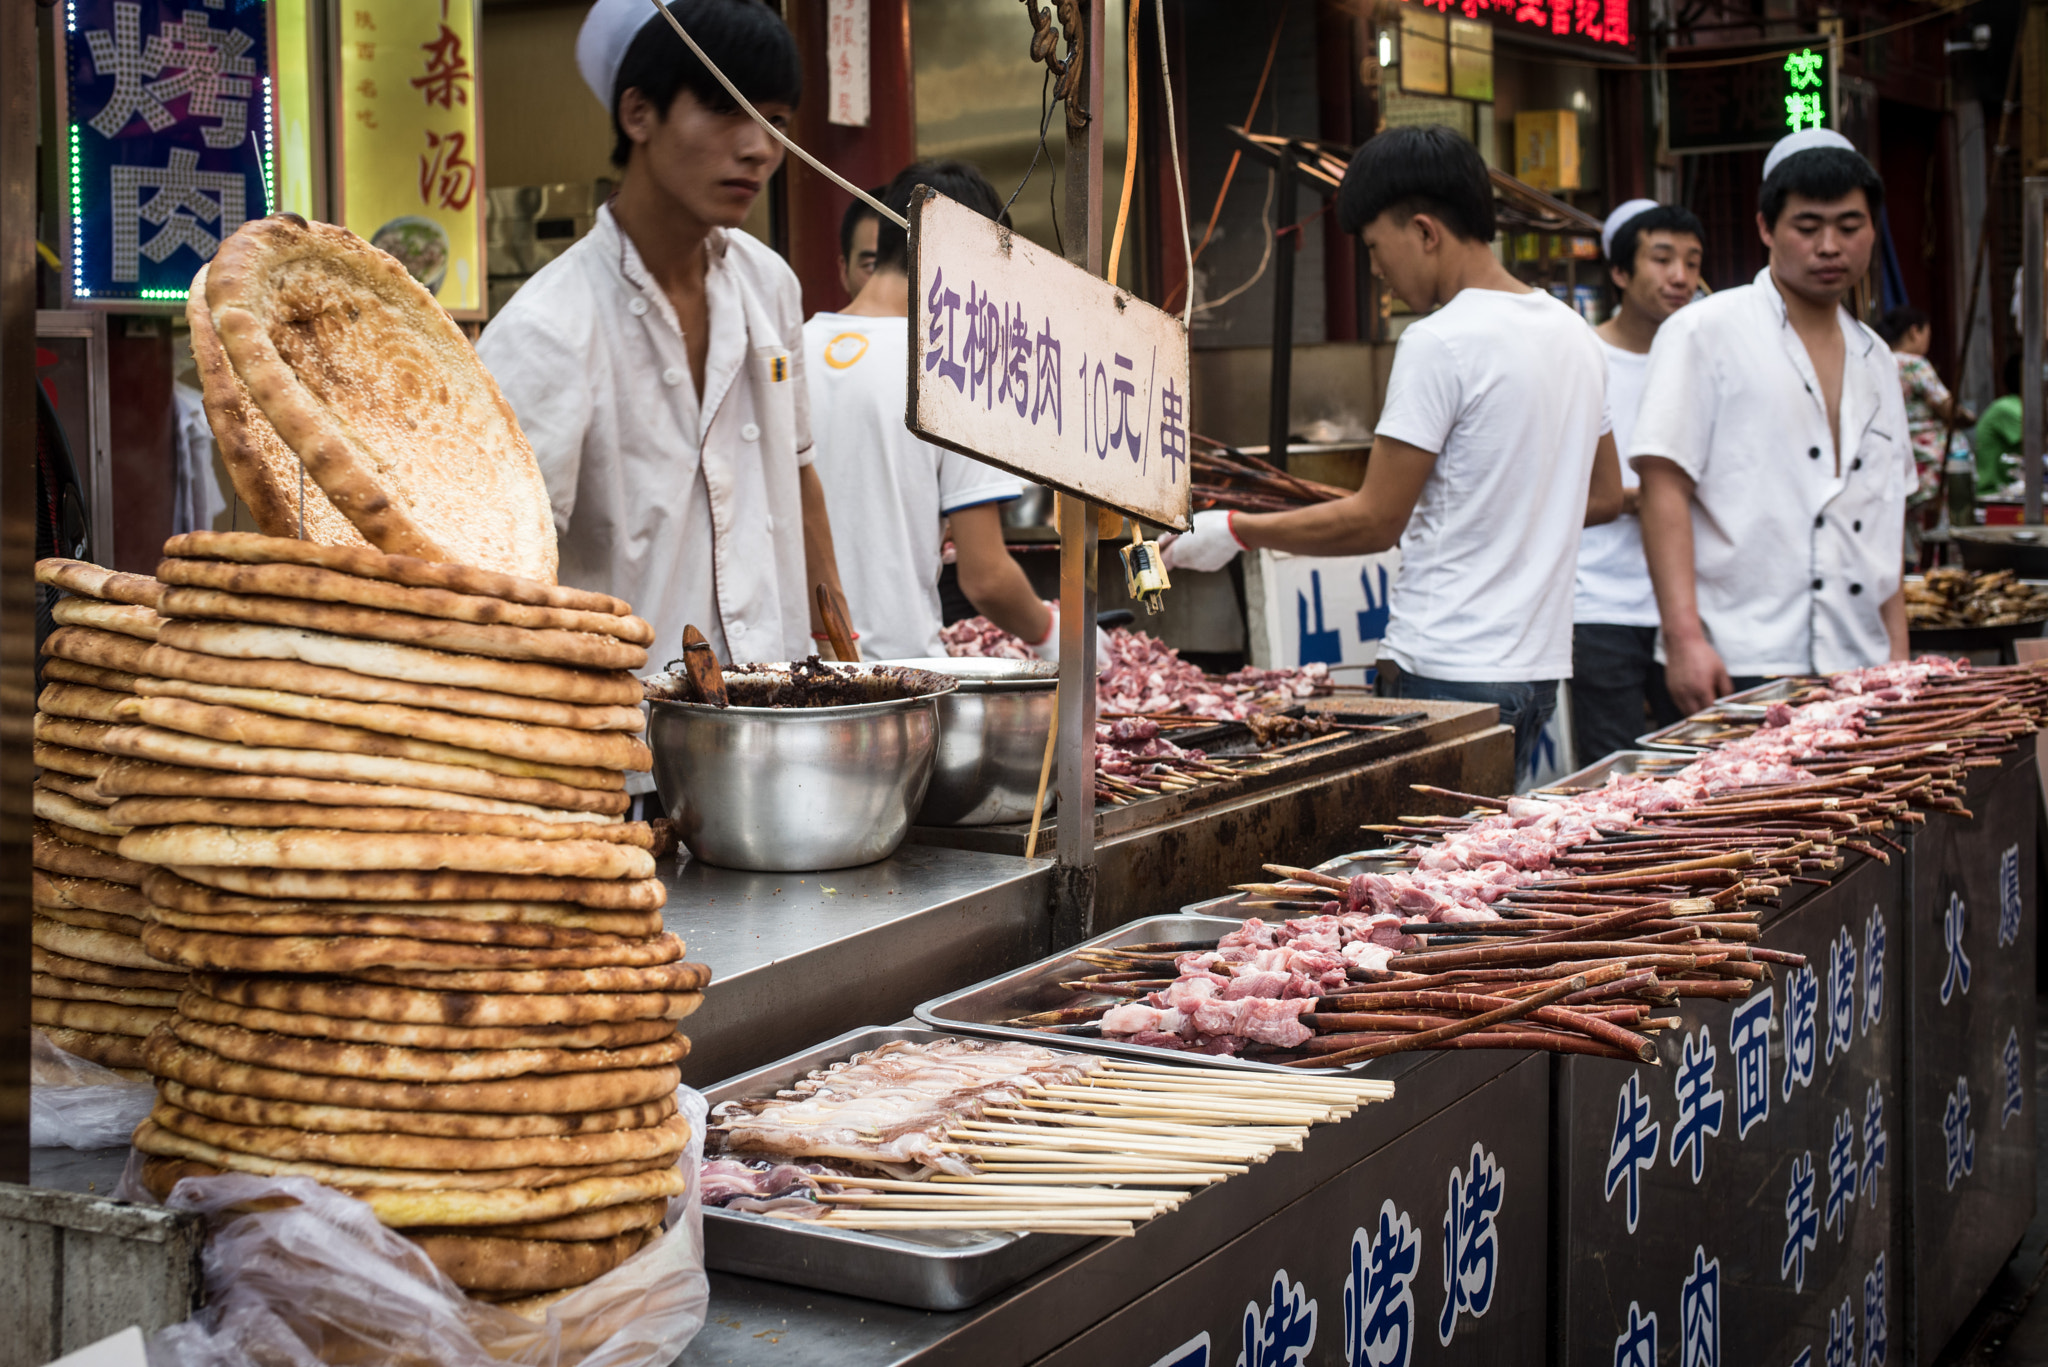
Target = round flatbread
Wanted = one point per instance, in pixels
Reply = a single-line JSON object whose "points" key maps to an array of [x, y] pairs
{"points": [[67, 759], [168, 892], [80, 701], [310, 583], [55, 806], [553, 745], [153, 1138], [125, 777], [93, 894], [366, 563], [663, 1140], [77, 789], [541, 1093], [68, 989], [94, 920], [675, 977], [122, 618], [100, 946], [166, 664], [98, 649], [478, 932], [598, 1035], [88, 580], [393, 1063], [123, 1053], [72, 732], [72, 835], [102, 1018], [397, 885], [510, 1205], [53, 854], [366, 850], [92, 676], [177, 748], [251, 1110], [524, 1266], [582, 649], [251, 728], [355, 953], [168, 811], [91, 971], [414, 664], [593, 1224], [425, 1006]]}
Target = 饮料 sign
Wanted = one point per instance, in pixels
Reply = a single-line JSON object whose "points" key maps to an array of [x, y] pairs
{"points": [[1722, 99], [1024, 360]]}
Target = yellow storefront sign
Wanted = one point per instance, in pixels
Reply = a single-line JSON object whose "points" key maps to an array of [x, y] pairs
{"points": [[408, 137]]}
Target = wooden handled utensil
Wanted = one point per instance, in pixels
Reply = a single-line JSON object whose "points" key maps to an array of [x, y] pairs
{"points": [[837, 627], [700, 664]]}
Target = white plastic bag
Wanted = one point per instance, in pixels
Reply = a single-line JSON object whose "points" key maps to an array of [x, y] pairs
{"points": [[75, 1103], [320, 1281]]}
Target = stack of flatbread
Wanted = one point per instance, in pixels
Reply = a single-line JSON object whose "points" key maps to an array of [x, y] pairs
{"points": [[95, 990], [378, 803]]}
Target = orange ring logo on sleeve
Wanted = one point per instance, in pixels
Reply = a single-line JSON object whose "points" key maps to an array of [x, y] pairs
{"points": [[845, 349]]}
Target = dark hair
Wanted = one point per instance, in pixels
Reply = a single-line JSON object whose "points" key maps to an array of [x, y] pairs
{"points": [[747, 40], [956, 180], [1665, 218], [1410, 171], [1900, 321], [850, 221], [1820, 173]]}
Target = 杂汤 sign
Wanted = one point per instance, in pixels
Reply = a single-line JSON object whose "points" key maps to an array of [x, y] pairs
{"points": [[1024, 360]]}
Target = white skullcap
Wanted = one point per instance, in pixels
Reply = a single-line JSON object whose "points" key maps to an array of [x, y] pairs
{"points": [[1805, 140], [1618, 219], [608, 30]]}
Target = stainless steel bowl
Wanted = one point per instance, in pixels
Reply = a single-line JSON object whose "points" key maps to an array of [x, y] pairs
{"points": [[792, 789], [991, 739]]}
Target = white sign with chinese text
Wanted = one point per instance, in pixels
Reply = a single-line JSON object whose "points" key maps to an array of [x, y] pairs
{"points": [[1022, 359], [846, 62]]}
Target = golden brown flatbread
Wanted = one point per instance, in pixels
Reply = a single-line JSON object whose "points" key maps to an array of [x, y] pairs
{"points": [[524, 1266], [88, 580], [99, 649], [370, 382], [71, 732], [354, 953], [675, 977], [102, 1018], [397, 885], [135, 777], [96, 894], [593, 1224], [597, 1035], [77, 789], [252, 1110], [613, 749], [73, 835], [54, 806], [663, 1140], [393, 1063], [377, 923], [123, 618], [153, 1138], [94, 920], [71, 989], [540, 1093], [256, 729], [52, 854], [81, 701], [166, 811], [120, 1052], [426, 1006], [541, 920], [92, 676], [67, 759], [308, 848], [62, 965], [312, 583], [100, 946], [163, 746]]}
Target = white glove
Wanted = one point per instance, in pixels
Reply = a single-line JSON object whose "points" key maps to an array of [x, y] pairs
{"points": [[1209, 544], [1049, 649]]}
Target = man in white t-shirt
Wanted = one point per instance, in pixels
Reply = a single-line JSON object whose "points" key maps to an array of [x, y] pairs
{"points": [[1491, 451], [1653, 254], [889, 493]]}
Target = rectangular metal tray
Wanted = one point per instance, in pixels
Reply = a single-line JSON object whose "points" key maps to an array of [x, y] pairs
{"points": [[1035, 987], [1655, 762], [1342, 866], [940, 1269], [1692, 735]]}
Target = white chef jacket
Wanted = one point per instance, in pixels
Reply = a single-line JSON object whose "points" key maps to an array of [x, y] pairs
{"points": [[1793, 559], [688, 510]]}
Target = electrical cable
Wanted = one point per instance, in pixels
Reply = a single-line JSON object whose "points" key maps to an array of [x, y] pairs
{"points": [[1173, 150], [1044, 121], [1123, 207], [1265, 221]]}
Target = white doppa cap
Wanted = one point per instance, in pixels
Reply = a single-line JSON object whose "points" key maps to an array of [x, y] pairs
{"points": [[1618, 219], [608, 30], [1805, 140]]}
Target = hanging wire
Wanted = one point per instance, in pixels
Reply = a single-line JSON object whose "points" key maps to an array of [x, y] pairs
{"points": [[1044, 121], [1173, 150], [1123, 206]]}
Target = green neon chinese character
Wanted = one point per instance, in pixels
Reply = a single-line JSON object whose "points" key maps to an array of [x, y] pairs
{"points": [[1803, 111], [1803, 69]]}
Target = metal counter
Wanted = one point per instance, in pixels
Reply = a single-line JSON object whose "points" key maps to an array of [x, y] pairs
{"points": [[800, 957]]}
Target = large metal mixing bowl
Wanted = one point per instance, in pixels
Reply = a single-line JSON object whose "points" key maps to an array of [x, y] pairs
{"points": [[792, 789], [991, 739]]}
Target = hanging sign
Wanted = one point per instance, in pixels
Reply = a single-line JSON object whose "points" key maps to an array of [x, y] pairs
{"points": [[407, 133], [1747, 104], [846, 62], [1024, 360], [167, 140]]}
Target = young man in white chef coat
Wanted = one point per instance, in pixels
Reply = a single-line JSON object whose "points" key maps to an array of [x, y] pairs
{"points": [[1653, 256], [1491, 451], [657, 365], [897, 490], [1773, 449]]}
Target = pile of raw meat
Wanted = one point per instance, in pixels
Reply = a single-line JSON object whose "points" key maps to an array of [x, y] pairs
{"points": [[1261, 978]]}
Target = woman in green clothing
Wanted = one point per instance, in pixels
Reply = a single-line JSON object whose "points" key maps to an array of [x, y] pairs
{"points": [[1998, 434]]}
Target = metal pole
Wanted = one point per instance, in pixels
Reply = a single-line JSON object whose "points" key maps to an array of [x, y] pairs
{"points": [[1073, 901], [1286, 242], [17, 560], [2034, 195]]}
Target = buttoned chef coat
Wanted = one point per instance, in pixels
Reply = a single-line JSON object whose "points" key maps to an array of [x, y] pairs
{"points": [[1793, 558], [688, 510]]}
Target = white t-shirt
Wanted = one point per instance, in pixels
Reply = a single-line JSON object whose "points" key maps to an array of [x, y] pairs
{"points": [[1614, 579], [1510, 391], [886, 491]]}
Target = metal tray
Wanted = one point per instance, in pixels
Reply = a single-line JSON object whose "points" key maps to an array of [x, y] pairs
{"points": [[1764, 694], [1693, 736], [940, 1269], [1035, 987], [1655, 762], [1383, 860]]}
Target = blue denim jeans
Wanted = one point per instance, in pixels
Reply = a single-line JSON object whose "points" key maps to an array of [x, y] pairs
{"points": [[1524, 706]]}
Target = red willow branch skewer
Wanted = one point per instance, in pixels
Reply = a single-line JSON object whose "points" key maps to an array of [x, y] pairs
{"points": [[1423, 1039]]}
